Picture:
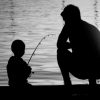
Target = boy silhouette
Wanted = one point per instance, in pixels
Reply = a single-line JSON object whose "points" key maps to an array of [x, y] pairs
{"points": [[17, 69]]}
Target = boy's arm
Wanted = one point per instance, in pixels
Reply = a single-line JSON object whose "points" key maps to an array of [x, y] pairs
{"points": [[27, 70]]}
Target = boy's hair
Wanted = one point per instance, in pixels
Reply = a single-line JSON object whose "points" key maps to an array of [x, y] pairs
{"points": [[18, 47]]}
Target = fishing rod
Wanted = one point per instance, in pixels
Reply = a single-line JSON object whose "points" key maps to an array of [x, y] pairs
{"points": [[38, 45]]}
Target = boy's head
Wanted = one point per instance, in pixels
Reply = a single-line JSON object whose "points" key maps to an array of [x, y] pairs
{"points": [[18, 48]]}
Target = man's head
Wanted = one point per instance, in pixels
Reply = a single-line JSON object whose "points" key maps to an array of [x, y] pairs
{"points": [[71, 14], [18, 48]]}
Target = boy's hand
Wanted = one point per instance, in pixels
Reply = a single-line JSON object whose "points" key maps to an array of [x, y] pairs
{"points": [[32, 72]]}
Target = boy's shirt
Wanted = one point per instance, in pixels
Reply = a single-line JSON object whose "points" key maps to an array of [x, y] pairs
{"points": [[18, 70]]}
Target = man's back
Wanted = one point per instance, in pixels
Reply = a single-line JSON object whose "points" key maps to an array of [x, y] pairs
{"points": [[84, 39]]}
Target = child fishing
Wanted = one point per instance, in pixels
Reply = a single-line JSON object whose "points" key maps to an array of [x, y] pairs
{"points": [[17, 69]]}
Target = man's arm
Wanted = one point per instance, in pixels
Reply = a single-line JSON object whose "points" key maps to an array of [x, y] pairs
{"points": [[62, 39]]}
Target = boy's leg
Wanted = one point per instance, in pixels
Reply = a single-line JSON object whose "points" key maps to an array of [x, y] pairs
{"points": [[27, 85]]}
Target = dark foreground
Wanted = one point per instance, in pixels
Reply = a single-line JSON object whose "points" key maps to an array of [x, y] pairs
{"points": [[54, 91]]}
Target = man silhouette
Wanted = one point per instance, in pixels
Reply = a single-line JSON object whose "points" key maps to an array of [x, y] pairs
{"points": [[84, 39], [17, 69]]}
